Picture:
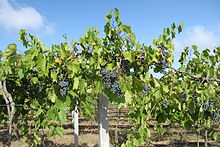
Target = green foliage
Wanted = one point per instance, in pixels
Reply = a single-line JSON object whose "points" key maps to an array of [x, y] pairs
{"points": [[48, 82]]}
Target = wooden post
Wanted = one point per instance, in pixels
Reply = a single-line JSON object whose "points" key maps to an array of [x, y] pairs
{"points": [[75, 121], [103, 121]]}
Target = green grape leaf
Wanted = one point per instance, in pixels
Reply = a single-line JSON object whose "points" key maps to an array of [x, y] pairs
{"points": [[128, 97], [54, 76], [76, 83], [180, 27], [20, 74], [61, 105], [88, 109], [73, 66], [188, 124], [59, 131], [51, 115], [161, 118], [216, 137], [129, 56], [52, 95], [41, 63], [82, 85], [62, 116], [34, 80], [10, 51]]}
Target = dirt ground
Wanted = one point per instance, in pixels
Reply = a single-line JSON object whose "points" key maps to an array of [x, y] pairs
{"points": [[89, 138]]}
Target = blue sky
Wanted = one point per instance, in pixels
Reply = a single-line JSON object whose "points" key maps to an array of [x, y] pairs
{"points": [[50, 19]]}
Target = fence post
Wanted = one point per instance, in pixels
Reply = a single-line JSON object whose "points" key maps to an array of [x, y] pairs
{"points": [[75, 121], [103, 121]]}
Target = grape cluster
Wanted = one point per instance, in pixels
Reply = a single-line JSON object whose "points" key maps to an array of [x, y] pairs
{"points": [[63, 87], [205, 106], [163, 62], [164, 65], [208, 105], [183, 96], [146, 89], [195, 98], [111, 82], [115, 86], [215, 117]]}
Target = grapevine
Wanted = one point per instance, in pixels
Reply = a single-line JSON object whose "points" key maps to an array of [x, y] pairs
{"points": [[48, 82]]}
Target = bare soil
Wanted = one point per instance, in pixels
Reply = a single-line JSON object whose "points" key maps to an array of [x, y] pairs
{"points": [[88, 135], [89, 138]]}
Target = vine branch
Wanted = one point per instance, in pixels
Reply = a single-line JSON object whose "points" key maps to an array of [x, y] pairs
{"points": [[194, 76], [10, 107]]}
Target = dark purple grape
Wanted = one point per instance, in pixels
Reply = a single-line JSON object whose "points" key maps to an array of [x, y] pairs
{"points": [[215, 117], [211, 102], [195, 95], [205, 107], [110, 81], [63, 91], [113, 89], [63, 83], [120, 95], [116, 82], [165, 102], [103, 71], [107, 79], [146, 89], [114, 75], [184, 100]]}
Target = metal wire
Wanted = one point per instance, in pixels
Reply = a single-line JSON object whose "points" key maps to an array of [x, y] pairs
{"points": [[5, 105]]}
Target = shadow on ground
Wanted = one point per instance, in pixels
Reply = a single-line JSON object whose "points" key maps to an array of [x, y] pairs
{"points": [[52, 144]]}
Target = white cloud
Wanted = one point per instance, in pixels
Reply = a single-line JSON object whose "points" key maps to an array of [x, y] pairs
{"points": [[197, 35], [18, 17]]}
